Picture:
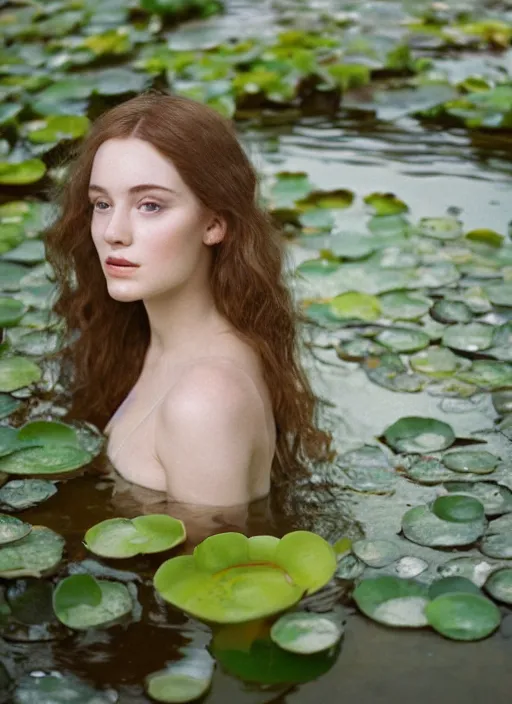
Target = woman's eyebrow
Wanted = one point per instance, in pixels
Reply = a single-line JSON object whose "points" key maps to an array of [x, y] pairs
{"points": [[134, 189]]}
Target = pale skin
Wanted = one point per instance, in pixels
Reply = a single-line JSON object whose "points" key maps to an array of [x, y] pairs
{"points": [[211, 432]]}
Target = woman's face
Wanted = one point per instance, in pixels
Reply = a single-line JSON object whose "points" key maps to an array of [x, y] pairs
{"points": [[143, 212]]}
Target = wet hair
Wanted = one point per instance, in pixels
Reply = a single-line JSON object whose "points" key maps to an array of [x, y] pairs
{"points": [[246, 274]]}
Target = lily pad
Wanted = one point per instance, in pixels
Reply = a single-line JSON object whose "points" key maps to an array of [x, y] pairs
{"points": [[11, 312], [393, 601], [36, 555], [8, 405], [182, 681], [496, 499], [43, 688], [391, 373], [403, 340], [442, 228], [500, 294], [488, 374], [49, 460], [401, 305], [12, 529], [419, 435], [20, 494], [451, 312], [17, 372], [218, 583], [499, 585], [73, 606], [306, 633], [21, 173], [422, 526], [473, 337], [44, 432], [124, 537], [356, 306], [463, 616], [498, 545], [376, 553], [438, 362], [476, 569], [458, 508], [55, 128], [450, 585], [475, 461], [409, 566]]}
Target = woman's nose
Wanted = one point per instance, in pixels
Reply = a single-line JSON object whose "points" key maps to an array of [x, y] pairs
{"points": [[118, 227]]}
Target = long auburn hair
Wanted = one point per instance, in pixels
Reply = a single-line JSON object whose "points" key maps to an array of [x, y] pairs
{"points": [[246, 276]]}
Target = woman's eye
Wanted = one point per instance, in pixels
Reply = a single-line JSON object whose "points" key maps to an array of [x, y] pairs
{"points": [[101, 202], [151, 203]]}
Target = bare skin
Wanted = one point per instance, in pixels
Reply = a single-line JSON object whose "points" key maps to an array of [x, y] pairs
{"points": [[198, 423]]}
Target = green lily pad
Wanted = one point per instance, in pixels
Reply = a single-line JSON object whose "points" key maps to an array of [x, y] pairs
{"points": [[472, 337], [496, 499], [376, 553], [17, 372], [349, 245], [12, 529], [11, 312], [20, 494], [499, 585], [28, 252], [450, 585], [403, 340], [357, 306], [463, 616], [500, 294], [419, 435], [36, 555], [385, 204], [316, 221], [46, 432], [340, 198], [73, 607], [306, 633], [8, 405], [487, 374], [392, 601], [45, 461], [391, 373], [475, 461], [21, 173], [451, 312], [458, 508], [350, 567], [442, 228], [288, 188], [429, 470], [124, 537], [55, 128], [409, 566], [401, 305], [438, 362], [422, 526], [218, 583], [11, 274], [502, 401], [182, 681], [498, 545], [485, 236]]}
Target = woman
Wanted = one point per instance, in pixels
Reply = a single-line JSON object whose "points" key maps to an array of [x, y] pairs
{"points": [[170, 284]]}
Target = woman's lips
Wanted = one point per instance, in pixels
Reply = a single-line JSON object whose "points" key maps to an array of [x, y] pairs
{"points": [[120, 270]]}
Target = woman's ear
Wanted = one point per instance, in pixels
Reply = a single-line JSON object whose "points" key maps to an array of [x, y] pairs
{"points": [[215, 231]]}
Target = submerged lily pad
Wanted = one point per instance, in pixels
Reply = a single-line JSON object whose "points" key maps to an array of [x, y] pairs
{"points": [[76, 608], [219, 583], [42, 688], [475, 461], [419, 435], [306, 633], [20, 494], [124, 537], [182, 681], [462, 616], [393, 601]]}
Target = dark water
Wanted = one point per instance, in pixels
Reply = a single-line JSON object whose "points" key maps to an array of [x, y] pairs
{"points": [[432, 170]]}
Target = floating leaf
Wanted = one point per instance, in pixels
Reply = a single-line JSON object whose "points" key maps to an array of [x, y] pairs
{"points": [[401, 305], [36, 555], [12, 529], [391, 373], [56, 688], [403, 340], [451, 312], [358, 306], [419, 435], [472, 337], [306, 633], [463, 616], [499, 585], [408, 567], [498, 545], [55, 128], [438, 362], [22, 173], [376, 553], [348, 245], [385, 204], [124, 537], [496, 499], [8, 405], [392, 601], [443, 228], [422, 526], [182, 681], [11, 311], [486, 236], [458, 508], [475, 461], [20, 494], [17, 372], [500, 294], [77, 605], [47, 460], [488, 374]]}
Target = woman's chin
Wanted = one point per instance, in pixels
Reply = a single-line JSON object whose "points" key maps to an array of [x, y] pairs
{"points": [[123, 296]]}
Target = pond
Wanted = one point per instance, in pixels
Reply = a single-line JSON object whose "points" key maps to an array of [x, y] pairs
{"points": [[392, 180]]}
